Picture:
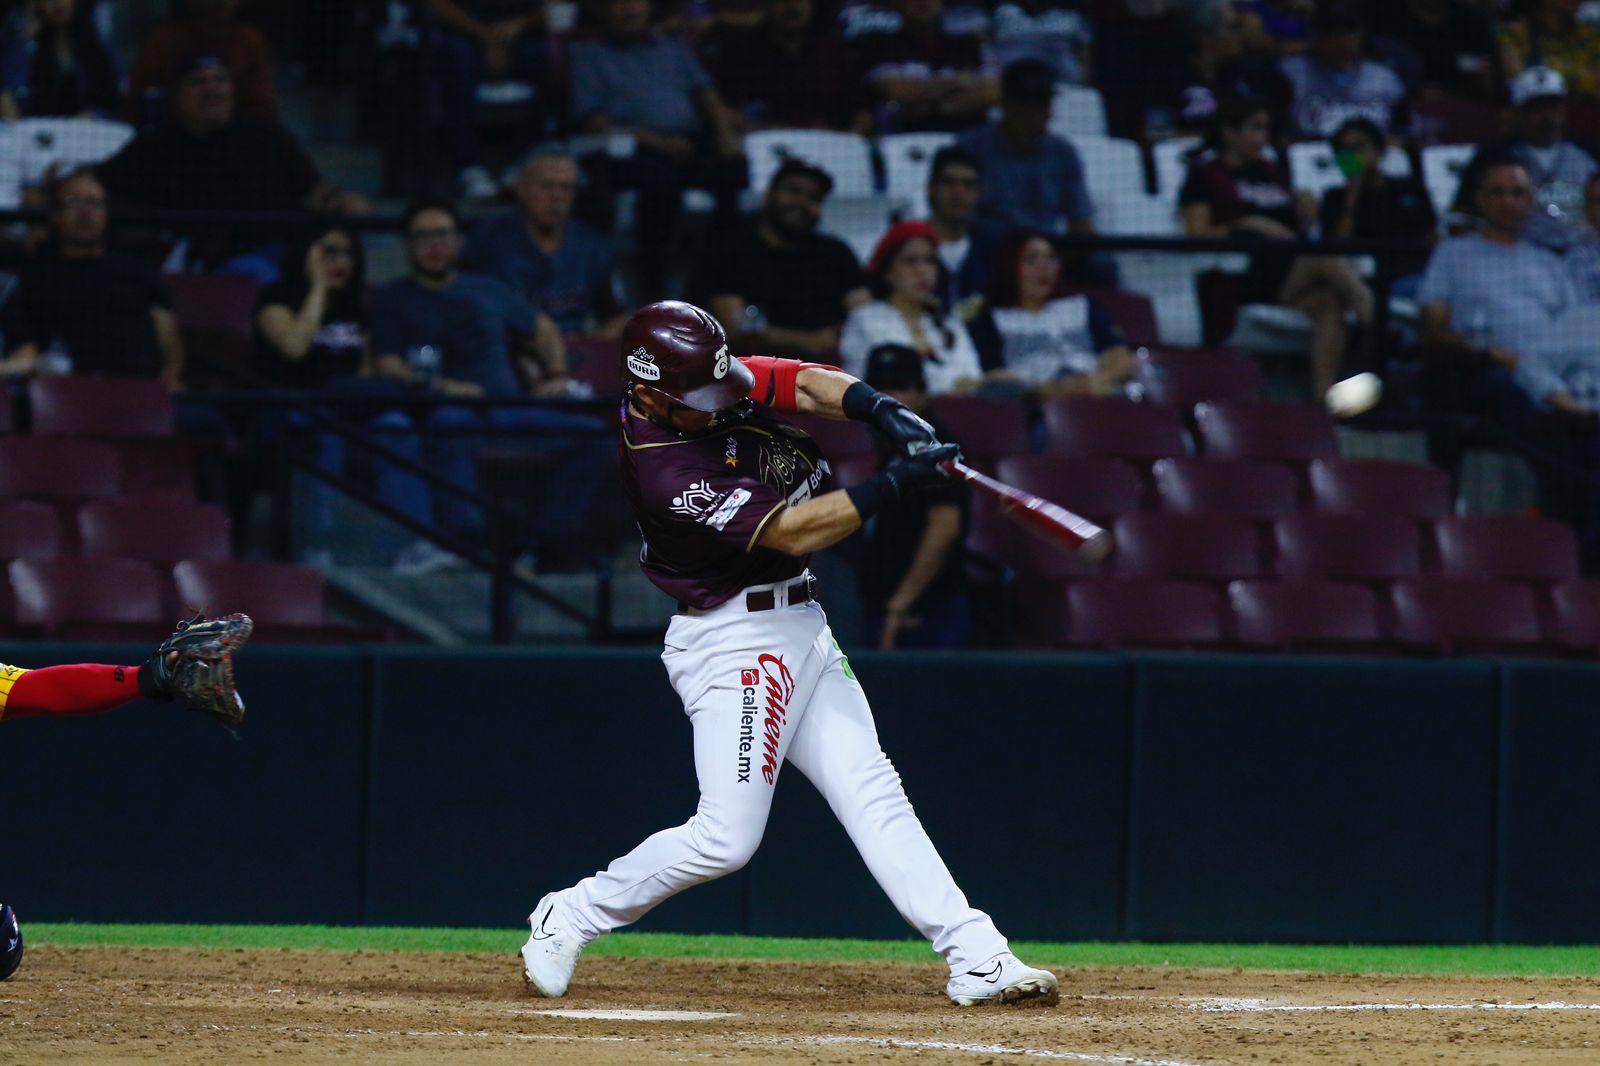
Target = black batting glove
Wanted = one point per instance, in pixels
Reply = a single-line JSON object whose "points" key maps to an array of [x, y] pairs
{"points": [[899, 425], [903, 480]]}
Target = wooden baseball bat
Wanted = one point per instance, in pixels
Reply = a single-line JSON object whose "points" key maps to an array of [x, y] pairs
{"points": [[1039, 516]]}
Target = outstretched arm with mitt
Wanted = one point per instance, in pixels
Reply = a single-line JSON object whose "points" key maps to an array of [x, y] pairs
{"points": [[194, 665]]}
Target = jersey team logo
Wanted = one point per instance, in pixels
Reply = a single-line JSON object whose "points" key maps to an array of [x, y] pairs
{"points": [[641, 365], [696, 500]]}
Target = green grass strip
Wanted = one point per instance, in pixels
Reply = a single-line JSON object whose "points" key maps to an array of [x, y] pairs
{"points": [[1484, 961]]}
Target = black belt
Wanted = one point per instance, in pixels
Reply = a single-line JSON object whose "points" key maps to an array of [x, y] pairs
{"points": [[765, 600]]}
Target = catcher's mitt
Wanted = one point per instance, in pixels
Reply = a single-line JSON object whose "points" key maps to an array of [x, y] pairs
{"points": [[202, 674]]}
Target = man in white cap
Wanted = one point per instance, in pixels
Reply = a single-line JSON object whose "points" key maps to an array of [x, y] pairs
{"points": [[1558, 168]]}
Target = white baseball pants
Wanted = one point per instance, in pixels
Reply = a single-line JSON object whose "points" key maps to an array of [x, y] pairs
{"points": [[761, 688]]}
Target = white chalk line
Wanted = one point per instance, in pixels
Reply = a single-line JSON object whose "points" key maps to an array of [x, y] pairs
{"points": [[639, 1015], [983, 1049], [1262, 1006]]}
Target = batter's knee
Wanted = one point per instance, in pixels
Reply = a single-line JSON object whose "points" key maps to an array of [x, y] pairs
{"points": [[727, 846]]}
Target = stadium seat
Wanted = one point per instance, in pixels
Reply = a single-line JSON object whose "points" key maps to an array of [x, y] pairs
{"points": [[1463, 616], [847, 157], [1122, 613], [595, 361], [1313, 169], [1113, 172], [1347, 547], [1451, 120], [1185, 377], [838, 440], [1286, 432], [1575, 614], [907, 161], [157, 466], [217, 318], [85, 406], [1380, 487], [29, 530], [1506, 546], [985, 427], [1442, 165], [1205, 547], [859, 221], [58, 469], [852, 470], [163, 531], [90, 599], [62, 145], [1171, 159], [1244, 488], [1305, 615], [287, 602], [1132, 312], [1078, 111], [1088, 426], [1101, 489]]}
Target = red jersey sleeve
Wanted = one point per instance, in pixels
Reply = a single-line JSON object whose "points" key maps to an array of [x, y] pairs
{"points": [[775, 379]]}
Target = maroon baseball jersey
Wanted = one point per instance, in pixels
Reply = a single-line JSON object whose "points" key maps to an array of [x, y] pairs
{"points": [[701, 502]]}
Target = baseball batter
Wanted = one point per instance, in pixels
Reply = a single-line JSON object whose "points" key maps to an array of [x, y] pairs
{"points": [[730, 503]]}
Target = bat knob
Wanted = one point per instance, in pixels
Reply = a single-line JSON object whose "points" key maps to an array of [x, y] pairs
{"points": [[1096, 548]]}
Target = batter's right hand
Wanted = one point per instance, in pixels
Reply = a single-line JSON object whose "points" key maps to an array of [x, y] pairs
{"points": [[906, 477]]}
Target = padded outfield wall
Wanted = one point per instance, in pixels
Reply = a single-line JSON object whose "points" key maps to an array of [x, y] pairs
{"points": [[1075, 797]]}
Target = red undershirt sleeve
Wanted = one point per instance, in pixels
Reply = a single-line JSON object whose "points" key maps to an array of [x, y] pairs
{"points": [[775, 380], [83, 688]]}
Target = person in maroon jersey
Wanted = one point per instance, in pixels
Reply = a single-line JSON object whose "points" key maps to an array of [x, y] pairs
{"points": [[731, 502]]}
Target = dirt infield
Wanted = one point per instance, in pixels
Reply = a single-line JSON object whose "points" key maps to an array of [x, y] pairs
{"points": [[111, 1005]]}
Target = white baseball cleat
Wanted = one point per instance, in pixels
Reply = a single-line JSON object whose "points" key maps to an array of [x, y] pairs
{"points": [[552, 950], [1002, 979]]}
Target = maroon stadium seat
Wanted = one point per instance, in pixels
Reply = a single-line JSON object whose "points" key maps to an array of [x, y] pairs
{"points": [[1305, 615], [597, 362], [157, 465], [1133, 313], [1347, 547], [1380, 487], [58, 469], [157, 531], [1575, 620], [1183, 378], [1464, 615], [852, 470], [217, 317], [287, 602], [1243, 430], [1114, 612], [1199, 546], [90, 599], [1244, 488], [29, 530], [836, 439], [985, 427], [1100, 489], [1112, 426], [1506, 546], [100, 407]]}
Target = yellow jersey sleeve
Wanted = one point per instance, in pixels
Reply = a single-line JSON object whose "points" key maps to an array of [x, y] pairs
{"points": [[8, 677]]}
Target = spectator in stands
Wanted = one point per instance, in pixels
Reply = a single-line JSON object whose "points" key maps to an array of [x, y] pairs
{"points": [[81, 308], [1333, 81], [478, 41], [1032, 179], [1550, 34], [965, 249], [1233, 190], [208, 157], [312, 332], [1558, 168], [1032, 334], [69, 70], [1373, 205], [203, 27], [466, 335], [1439, 46], [634, 80], [1495, 297], [777, 285], [910, 568], [781, 73], [1583, 259], [924, 77], [904, 275], [563, 266], [1280, 26], [1047, 30]]}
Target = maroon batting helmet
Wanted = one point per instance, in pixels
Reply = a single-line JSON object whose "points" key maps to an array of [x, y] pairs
{"points": [[680, 350]]}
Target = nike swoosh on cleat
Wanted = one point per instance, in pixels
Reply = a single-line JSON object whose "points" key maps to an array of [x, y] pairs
{"points": [[541, 930], [992, 976]]}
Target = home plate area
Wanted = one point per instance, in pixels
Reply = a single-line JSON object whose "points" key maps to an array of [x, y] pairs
{"points": [[178, 1005]]}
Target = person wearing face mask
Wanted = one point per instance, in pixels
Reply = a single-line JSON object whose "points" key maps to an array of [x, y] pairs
{"points": [[1374, 205], [904, 274], [1030, 332], [777, 285]]}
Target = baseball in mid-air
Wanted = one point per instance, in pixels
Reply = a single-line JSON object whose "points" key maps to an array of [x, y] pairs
{"points": [[1354, 395]]}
